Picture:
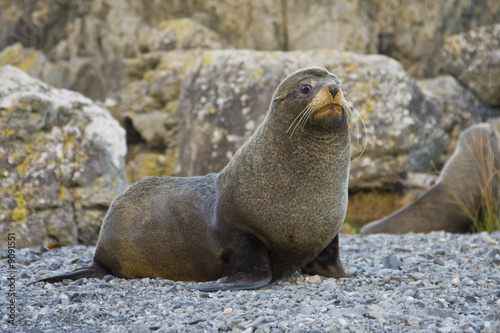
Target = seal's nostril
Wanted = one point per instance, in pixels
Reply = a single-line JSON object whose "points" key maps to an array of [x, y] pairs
{"points": [[334, 89]]}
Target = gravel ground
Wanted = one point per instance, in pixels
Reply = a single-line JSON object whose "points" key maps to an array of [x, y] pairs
{"points": [[439, 282]]}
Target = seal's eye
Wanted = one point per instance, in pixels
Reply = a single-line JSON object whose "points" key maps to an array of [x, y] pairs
{"points": [[305, 88]]}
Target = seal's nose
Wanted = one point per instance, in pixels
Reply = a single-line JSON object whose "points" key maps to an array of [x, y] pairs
{"points": [[334, 89]]}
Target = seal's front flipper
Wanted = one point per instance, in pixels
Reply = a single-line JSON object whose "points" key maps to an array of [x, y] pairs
{"points": [[327, 263], [247, 267], [93, 271]]}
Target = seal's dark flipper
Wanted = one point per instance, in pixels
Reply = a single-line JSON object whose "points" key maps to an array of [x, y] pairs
{"points": [[247, 267], [327, 263], [238, 281], [93, 271]]}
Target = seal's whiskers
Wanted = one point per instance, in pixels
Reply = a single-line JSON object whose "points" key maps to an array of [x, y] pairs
{"points": [[301, 119], [354, 115]]}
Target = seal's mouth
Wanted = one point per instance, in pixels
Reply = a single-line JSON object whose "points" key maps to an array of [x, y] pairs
{"points": [[332, 109], [330, 101]]}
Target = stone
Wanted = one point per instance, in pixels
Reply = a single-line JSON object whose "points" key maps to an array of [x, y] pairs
{"points": [[61, 162], [437, 312], [392, 262], [183, 34], [227, 95], [95, 36], [147, 108], [474, 59], [413, 32], [338, 25], [88, 44], [35, 63], [459, 107], [305, 310]]}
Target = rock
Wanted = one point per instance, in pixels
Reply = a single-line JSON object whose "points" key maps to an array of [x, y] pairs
{"points": [[413, 32], [182, 34], [89, 43], [91, 39], [61, 162], [465, 197], [305, 310], [147, 108], [392, 262], [313, 279], [459, 107], [226, 96], [337, 25], [152, 127], [437, 312], [474, 59], [35, 63], [144, 162]]}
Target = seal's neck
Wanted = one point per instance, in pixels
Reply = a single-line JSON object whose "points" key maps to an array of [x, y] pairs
{"points": [[272, 149]]}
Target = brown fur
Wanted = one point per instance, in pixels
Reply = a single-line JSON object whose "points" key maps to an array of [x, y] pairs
{"points": [[280, 201]]}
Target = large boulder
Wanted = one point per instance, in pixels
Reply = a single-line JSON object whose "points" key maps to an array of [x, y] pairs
{"points": [[147, 106], [474, 59], [88, 39], [34, 63], [91, 38], [61, 162], [459, 106], [227, 95], [413, 32]]}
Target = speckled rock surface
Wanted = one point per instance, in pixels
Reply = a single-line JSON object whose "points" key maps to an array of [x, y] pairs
{"points": [[147, 106], [437, 282], [35, 63], [61, 162], [459, 107], [182, 34], [227, 95], [474, 59], [413, 32], [92, 38]]}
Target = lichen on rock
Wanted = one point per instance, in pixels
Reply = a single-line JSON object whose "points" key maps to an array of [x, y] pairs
{"points": [[228, 93], [61, 157], [474, 59]]}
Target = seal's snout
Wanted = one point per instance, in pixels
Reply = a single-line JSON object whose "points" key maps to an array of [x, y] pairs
{"points": [[334, 89], [335, 92]]}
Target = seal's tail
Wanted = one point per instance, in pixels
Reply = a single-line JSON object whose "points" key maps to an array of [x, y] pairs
{"points": [[93, 271]]}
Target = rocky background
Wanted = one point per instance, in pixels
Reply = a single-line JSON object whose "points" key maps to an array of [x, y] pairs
{"points": [[176, 87]]}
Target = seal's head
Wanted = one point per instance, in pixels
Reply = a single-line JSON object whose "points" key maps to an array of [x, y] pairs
{"points": [[312, 98]]}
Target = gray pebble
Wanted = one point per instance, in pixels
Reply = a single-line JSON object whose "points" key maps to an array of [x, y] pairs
{"points": [[402, 283]]}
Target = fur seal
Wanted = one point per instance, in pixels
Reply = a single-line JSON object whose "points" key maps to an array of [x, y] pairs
{"points": [[275, 208], [468, 177]]}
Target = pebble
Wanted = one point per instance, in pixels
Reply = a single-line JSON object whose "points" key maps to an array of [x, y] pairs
{"points": [[437, 282]]}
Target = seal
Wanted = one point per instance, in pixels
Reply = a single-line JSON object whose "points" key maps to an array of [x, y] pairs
{"points": [[275, 208], [468, 178]]}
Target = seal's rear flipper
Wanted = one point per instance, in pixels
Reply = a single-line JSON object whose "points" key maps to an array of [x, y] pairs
{"points": [[238, 281], [93, 271], [327, 263], [248, 267]]}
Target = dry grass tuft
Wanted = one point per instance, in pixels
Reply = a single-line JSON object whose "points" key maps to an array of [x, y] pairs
{"points": [[483, 207], [369, 206]]}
